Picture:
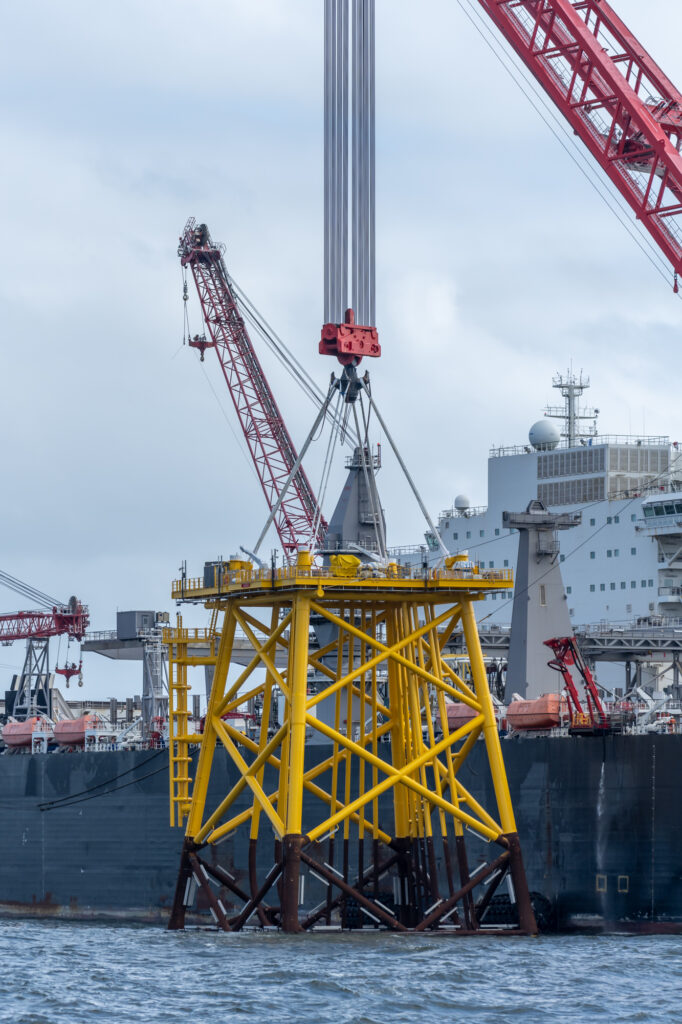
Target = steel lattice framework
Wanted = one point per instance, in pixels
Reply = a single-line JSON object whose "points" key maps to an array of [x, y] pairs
{"points": [[297, 520], [615, 97]]}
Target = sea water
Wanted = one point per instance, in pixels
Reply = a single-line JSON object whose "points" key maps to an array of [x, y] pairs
{"points": [[65, 973]]}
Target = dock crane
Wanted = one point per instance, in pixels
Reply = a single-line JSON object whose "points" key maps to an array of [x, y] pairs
{"points": [[30, 690], [615, 97]]}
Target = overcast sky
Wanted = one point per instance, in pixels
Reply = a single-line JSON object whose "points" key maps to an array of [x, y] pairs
{"points": [[497, 266]]}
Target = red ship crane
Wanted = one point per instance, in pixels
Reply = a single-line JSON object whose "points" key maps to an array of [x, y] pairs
{"points": [[55, 619], [567, 653], [615, 97], [31, 690], [297, 520]]}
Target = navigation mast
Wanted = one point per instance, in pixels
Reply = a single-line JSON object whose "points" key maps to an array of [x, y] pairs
{"points": [[572, 386]]}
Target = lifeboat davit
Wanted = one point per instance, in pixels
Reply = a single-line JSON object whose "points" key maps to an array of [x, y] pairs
{"points": [[20, 734], [543, 713], [71, 732]]}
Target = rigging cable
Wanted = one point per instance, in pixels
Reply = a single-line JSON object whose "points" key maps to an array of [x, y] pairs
{"points": [[366, 455], [516, 72]]}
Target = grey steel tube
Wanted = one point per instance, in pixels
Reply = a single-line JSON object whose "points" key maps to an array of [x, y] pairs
{"points": [[343, 253], [327, 156], [372, 165]]}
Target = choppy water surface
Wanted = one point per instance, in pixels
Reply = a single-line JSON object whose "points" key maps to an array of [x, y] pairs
{"points": [[59, 973]]}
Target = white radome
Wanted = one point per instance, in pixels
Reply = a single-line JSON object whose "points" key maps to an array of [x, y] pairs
{"points": [[544, 435], [462, 503]]}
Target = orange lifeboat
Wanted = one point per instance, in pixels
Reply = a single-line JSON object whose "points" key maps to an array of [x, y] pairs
{"points": [[70, 732], [543, 713], [459, 714], [20, 734]]}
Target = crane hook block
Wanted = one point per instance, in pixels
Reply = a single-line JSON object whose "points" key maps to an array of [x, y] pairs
{"points": [[349, 341]]}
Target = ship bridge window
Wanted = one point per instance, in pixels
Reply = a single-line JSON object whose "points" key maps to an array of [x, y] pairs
{"points": [[609, 553], [468, 534], [616, 552], [633, 584], [613, 586], [616, 519], [633, 517], [602, 586], [593, 522], [608, 519], [593, 554], [622, 584], [456, 536], [648, 511], [633, 551], [651, 583], [506, 563], [678, 507], [569, 590], [659, 510], [670, 509], [592, 588], [481, 533]]}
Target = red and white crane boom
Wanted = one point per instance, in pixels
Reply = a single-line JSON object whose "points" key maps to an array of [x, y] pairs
{"points": [[297, 519], [615, 97], [54, 619]]}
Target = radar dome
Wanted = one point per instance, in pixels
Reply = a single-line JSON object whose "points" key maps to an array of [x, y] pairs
{"points": [[544, 435], [462, 503]]}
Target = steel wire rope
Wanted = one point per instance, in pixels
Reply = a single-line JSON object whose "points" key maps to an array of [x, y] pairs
{"points": [[94, 796], [240, 441], [371, 488], [324, 480], [280, 349], [588, 170], [32, 593], [637, 233], [295, 468], [64, 800], [435, 533]]}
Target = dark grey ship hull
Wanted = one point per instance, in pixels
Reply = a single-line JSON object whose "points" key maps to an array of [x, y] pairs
{"points": [[87, 835]]}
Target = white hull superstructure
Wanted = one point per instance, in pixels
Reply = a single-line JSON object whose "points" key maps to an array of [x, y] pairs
{"points": [[624, 561]]}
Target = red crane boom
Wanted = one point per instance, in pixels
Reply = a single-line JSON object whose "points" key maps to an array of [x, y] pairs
{"points": [[297, 520], [39, 625], [615, 97]]}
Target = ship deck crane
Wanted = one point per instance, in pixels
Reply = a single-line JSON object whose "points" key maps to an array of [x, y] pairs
{"points": [[615, 97], [567, 653], [297, 518], [31, 689]]}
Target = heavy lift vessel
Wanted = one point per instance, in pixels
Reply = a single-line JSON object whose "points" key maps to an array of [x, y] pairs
{"points": [[627, 112]]}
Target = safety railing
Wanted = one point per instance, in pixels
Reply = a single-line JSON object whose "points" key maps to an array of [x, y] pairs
{"points": [[368, 570]]}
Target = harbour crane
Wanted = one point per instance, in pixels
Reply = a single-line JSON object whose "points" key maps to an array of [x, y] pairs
{"points": [[614, 96], [31, 688], [296, 515]]}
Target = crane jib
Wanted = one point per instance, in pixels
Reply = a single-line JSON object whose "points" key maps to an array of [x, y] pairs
{"points": [[270, 445], [615, 97]]}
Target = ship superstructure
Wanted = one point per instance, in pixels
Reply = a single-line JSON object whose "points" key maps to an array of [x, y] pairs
{"points": [[623, 562]]}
